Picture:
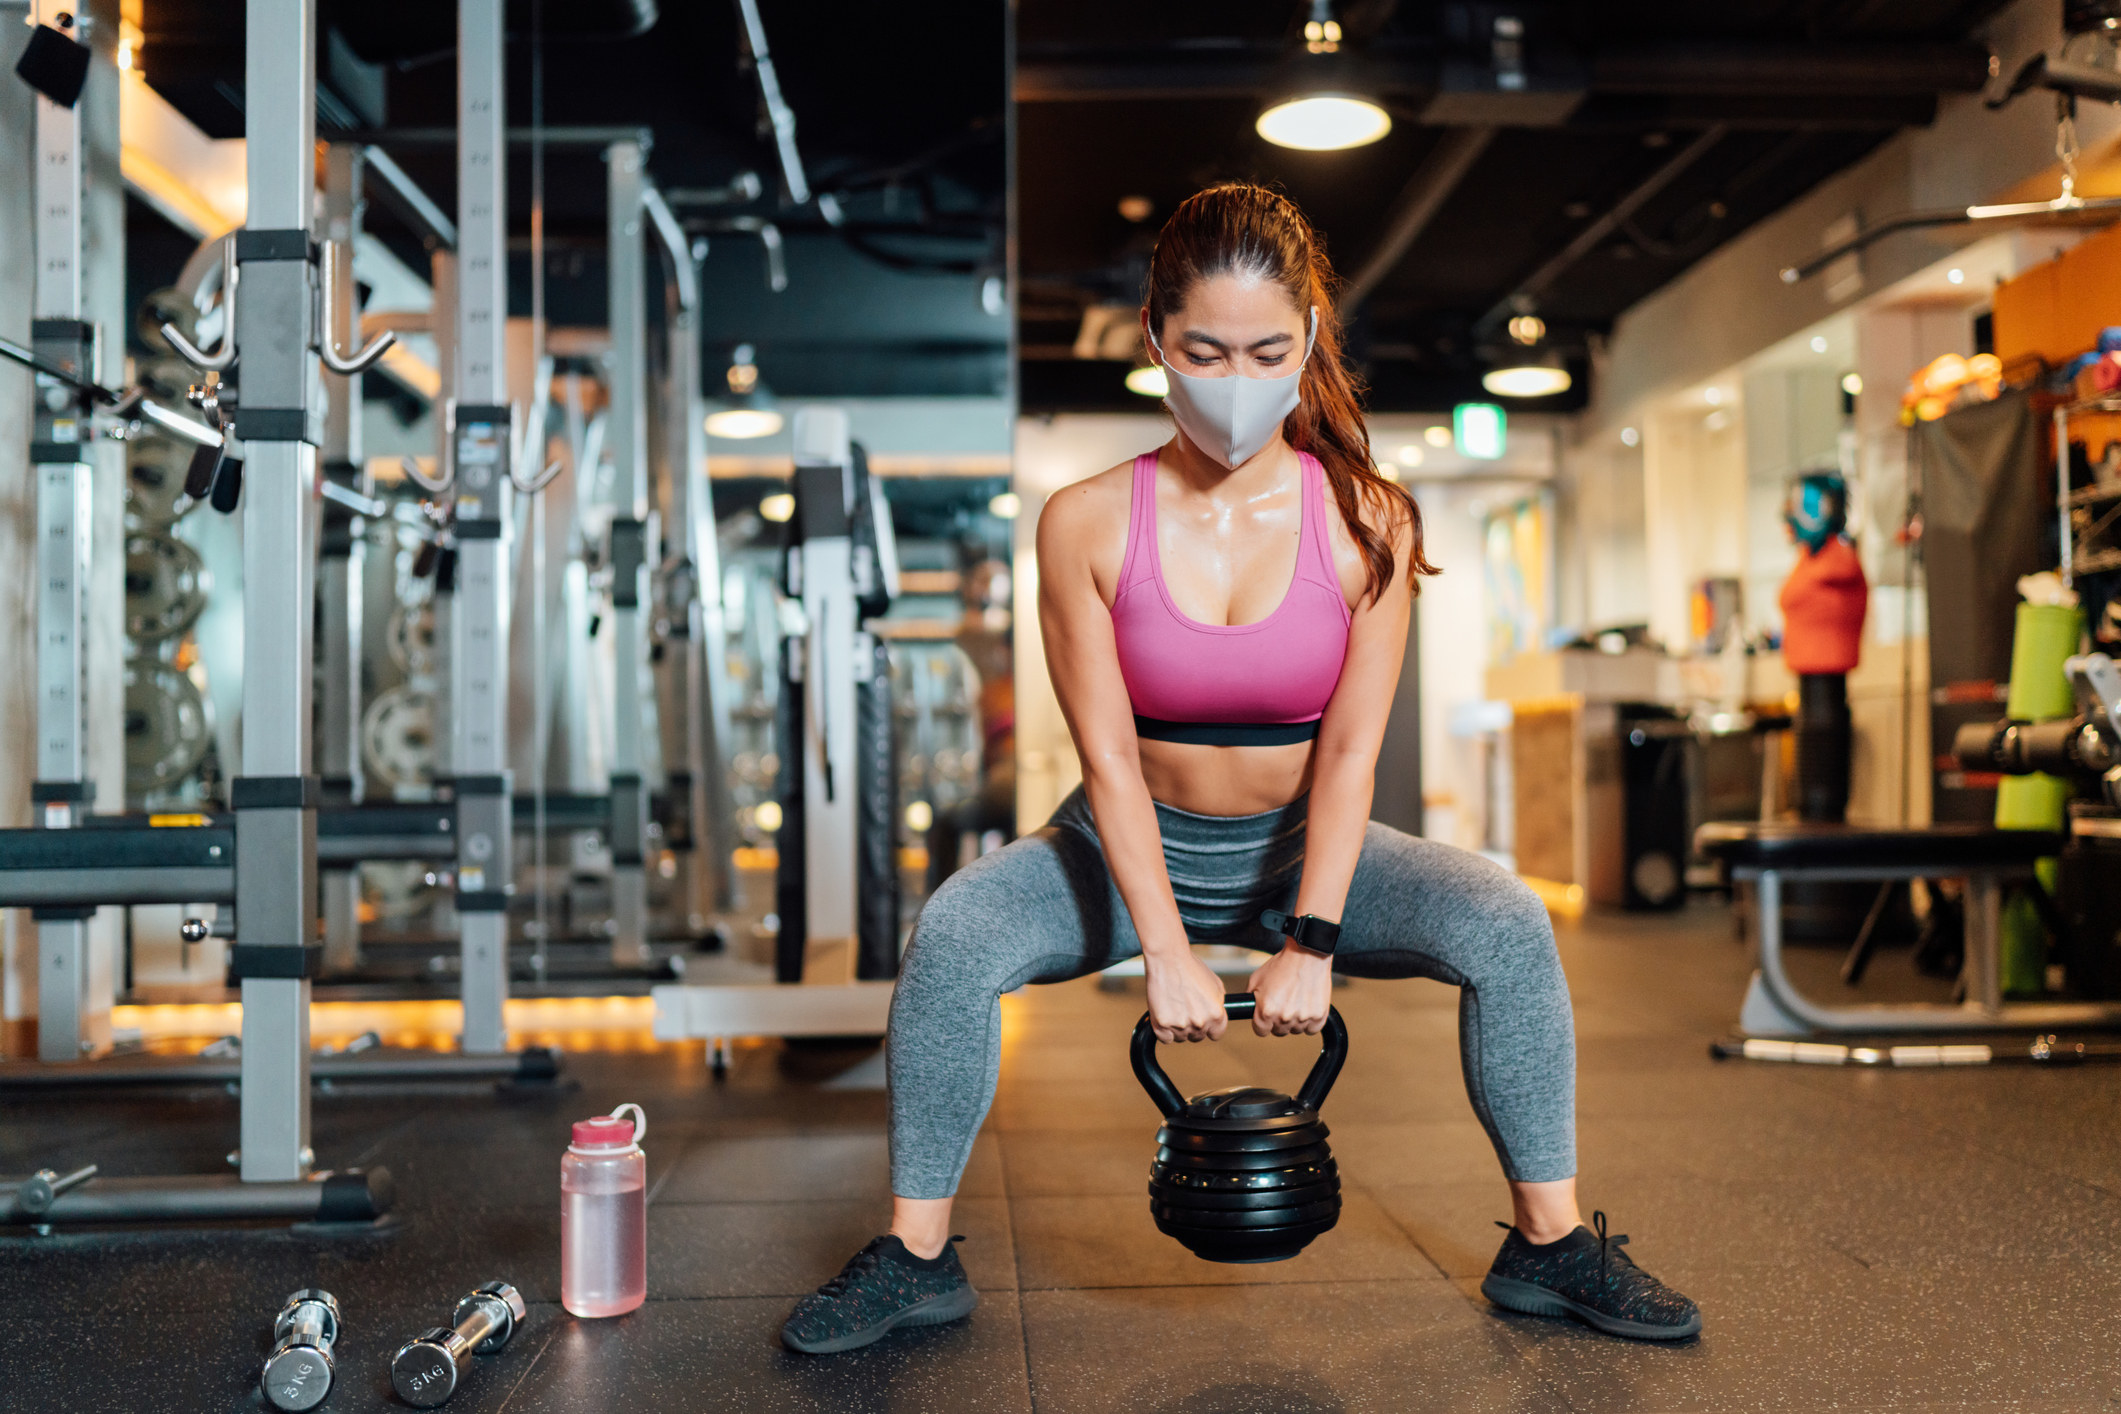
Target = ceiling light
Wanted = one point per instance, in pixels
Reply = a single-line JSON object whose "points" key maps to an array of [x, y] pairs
{"points": [[1437, 436], [743, 374], [1717, 420], [1852, 384], [1530, 376], [1324, 122], [1411, 454], [1629, 437], [744, 423], [1818, 343], [777, 508], [750, 411], [1007, 506], [1150, 382], [1136, 208], [1712, 395], [767, 815], [1528, 329], [1957, 277]]}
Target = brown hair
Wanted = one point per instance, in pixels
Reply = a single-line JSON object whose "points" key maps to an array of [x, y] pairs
{"points": [[1238, 227]]}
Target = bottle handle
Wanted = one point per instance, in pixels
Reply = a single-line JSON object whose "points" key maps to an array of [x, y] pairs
{"points": [[1238, 1006], [640, 1120]]}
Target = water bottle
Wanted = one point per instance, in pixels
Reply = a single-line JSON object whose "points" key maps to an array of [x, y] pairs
{"points": [[604, 1215]]}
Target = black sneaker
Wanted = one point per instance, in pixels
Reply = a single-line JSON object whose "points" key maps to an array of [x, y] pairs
{"points": [[1587, 1276], [881, 1287]]}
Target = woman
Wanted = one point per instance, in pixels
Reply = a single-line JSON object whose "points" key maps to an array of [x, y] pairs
{"points": [[1228, 709]]}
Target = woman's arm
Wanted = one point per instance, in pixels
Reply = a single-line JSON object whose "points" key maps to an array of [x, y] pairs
{"points": [[1185, 996], [1295, 986]]}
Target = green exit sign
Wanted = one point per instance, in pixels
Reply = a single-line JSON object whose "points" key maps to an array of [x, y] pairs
{"points": [[1479, 429]]}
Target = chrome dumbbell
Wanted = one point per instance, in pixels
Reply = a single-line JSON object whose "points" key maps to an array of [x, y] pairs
{"points": [[297, 1375], [426, 1368]]}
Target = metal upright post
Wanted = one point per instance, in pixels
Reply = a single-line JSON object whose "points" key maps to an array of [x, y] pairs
{"points": [[630, 553], [339, 574], [482, 428], [442, 313], [699, 696], [59, 451], [274, 795], [824, 512]]}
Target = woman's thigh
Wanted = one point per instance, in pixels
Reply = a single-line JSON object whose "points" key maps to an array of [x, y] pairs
{"points": [[1418, 908], [1041, 908]]}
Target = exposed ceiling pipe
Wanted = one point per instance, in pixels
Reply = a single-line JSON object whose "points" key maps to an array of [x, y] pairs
{"points": [[403, 196], [1062, 74], [1536, 284], [778, 113], [1423, 196]]}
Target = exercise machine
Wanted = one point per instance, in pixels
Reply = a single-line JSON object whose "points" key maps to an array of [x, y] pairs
{"points": [[266, 864]]}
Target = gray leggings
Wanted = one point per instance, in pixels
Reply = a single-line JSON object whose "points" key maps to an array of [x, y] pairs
{"points": [[1044, 909]]}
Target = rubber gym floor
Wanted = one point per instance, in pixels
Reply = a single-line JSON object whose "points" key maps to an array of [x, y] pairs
{"points": [[1857, 1240]]}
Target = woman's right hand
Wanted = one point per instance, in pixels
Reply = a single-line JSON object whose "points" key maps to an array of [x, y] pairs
{"points": [[1185, 999]]}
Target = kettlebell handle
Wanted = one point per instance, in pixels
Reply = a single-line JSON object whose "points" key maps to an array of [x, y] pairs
{"points": [[1238, 1006]]}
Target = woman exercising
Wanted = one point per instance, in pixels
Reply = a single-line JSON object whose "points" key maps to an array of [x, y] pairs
{"points": [[1228, 705]]}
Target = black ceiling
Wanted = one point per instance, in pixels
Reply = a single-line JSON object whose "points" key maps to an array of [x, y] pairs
{"points": [[1693, 119], [900, 113], [1734, 107]]}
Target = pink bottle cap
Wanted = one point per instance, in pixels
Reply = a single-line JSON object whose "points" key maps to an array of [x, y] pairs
{"points": [[603, 1132]]}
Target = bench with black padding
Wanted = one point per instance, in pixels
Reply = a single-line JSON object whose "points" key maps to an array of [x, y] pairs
{"points": [[1987, 858]]}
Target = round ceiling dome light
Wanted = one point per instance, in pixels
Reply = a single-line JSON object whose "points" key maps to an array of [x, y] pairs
{"points": [[1533, 378], [1324, 122], [744, 423]]}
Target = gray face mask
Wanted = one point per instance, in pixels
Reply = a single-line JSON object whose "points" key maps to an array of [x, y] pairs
{"points": [[1231, 418]]}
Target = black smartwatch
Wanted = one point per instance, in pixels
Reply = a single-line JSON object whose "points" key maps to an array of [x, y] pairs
{"points": [[1309, 931]]}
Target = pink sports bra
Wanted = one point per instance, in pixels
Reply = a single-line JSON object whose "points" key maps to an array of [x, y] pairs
{"points": [[1256, 684]]}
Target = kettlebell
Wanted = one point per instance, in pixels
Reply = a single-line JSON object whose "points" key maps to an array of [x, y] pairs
{"points": [[1243, 1174]]}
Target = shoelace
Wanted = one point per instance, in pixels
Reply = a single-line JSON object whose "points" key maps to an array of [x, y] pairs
{"points": [[864, 1262], [1607, 1244], [858, 1266]]}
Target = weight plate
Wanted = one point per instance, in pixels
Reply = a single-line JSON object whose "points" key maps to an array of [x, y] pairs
{"points": [[397, 888], [397, 737], [166, 306], [168, 727], [1216, 1181], [410, 637], [1241, 1141], [1182, 1201], [1231, 1163], [165, 586], [155, 467], [1263, 1217]]}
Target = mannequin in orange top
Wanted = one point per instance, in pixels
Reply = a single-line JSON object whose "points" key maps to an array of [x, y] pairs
{"points": [[1823, 603]]}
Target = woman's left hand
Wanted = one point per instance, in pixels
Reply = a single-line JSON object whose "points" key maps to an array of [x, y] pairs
{"points": [[1293, 991]]}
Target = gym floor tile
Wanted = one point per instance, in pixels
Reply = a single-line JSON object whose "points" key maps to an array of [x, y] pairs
{"points": [[1837, 1338], [1112, 1241], [705, 1357], [763, 1168], [1426, 1151], [1049, 1163], [1669, 1222], [1332, 1347], [787, 1249]]}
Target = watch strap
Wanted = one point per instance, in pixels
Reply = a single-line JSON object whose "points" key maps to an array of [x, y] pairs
{"points": [[1306, 931]]}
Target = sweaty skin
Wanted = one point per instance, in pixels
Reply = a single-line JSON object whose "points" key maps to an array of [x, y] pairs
{"points": [[1228, 542]]}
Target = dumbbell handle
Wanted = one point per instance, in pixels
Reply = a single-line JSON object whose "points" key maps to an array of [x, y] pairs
{"points": [[425, 1384], [308, 1326]]}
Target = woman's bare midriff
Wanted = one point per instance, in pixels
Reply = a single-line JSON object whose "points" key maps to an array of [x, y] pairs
{"points": [[1226, 780]]}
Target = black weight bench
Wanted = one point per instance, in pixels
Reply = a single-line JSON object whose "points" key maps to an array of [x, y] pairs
{"points": [[1986, 858]]}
